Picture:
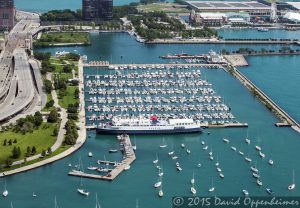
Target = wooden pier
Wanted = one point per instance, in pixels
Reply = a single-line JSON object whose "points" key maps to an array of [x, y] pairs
{"points": [[129, 157]]}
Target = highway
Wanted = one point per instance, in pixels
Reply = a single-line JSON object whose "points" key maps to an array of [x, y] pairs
{"points": [[17, 79]]}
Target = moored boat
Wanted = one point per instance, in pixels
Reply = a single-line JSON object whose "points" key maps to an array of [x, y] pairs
{"points": [[149, 126]]}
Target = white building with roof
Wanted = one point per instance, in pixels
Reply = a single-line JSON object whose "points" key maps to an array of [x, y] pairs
{"points": [[292, 17]]}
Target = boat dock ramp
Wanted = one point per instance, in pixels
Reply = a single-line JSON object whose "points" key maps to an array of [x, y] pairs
{"points": [[129, 157]]}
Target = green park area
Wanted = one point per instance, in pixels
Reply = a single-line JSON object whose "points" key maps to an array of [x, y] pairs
{"points": [[162, 7], [48, 39], [36, 141]]}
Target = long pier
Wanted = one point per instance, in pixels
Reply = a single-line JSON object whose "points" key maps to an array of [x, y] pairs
{"points": [[210, 41], [129, 157], [102, 64], [286, 119]]}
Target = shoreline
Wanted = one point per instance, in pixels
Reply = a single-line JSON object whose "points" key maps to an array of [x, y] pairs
{"points": [[79, 143]]}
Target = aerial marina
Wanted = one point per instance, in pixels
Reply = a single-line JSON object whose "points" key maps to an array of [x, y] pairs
{"points": [[166, 92]]}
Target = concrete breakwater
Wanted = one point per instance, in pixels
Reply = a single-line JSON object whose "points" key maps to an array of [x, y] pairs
{"points": [[285, 118]]}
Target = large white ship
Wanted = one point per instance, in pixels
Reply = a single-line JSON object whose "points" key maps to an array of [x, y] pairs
{"points": [[149, 126]]}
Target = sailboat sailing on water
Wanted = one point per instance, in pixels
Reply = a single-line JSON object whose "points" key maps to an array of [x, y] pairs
{"points": [[5, 192], [293, 185], [80, 189]]}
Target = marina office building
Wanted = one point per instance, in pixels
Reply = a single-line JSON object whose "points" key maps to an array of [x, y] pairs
{"points": [[97, 10], [7, 14]]}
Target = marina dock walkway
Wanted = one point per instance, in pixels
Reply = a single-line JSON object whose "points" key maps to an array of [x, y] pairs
{"points": [[105, 64], [129, 157]]}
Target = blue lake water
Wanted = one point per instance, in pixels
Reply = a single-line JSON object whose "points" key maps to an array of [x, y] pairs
{"points": [[278, 76], [252, 33], [46, 5]]}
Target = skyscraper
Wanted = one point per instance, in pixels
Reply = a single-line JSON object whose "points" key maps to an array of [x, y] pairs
{"points": [[97, 9], [7, 14]]}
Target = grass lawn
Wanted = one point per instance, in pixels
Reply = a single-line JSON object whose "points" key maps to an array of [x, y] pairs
{"points": [[60, 63], [41, 138], [69, 98], [64, 37], [58, 151], [162, 7]]}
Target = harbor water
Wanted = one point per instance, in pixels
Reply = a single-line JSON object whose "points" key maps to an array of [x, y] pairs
{"points": [[278, 76]]}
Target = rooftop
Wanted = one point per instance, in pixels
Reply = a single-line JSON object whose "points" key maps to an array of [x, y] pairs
{"points": [[228, 5]]}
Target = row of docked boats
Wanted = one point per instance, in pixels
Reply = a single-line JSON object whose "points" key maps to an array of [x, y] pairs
{"points": [[175, 93]]}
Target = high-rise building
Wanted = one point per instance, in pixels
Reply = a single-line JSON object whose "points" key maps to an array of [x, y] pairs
{"points": [[97, 9], [7, 14]]}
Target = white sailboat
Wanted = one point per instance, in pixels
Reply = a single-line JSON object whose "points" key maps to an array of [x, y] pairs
{"points": [[134, 147], [156, 160], [193, 179], [163, 145], [226, 140], [172, 150], [247, 140], [262, 155], [258, 147], [5, 192], [217, 163], [81, 190], [259, 182], [160, 192], [193, 190], [271, 162], [212, 188], [293, 185], [245, 192], [157, 184]]}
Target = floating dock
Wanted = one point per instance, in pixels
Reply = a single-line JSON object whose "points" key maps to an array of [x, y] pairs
{"points": [[129, 156]]}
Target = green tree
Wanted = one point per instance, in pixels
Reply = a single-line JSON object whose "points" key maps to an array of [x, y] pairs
{"points": [[33, 150], [16, 152], [53, 116], [67, 68], [4, 142], [49, 151], [55, 131], [38, 118], [48, 86], [43, 153]]}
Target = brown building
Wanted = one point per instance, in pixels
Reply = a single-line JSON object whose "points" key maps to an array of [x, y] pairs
{"points": [[7, 14]]}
